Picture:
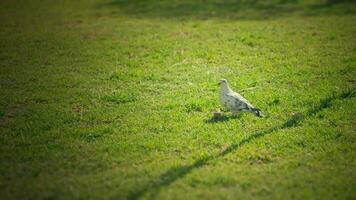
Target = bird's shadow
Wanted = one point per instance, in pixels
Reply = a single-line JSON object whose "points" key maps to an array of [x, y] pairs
{"points": [[222, 118], [217, 119]]}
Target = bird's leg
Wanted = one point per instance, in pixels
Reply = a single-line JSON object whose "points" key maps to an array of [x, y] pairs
{"points": [[236, 114], [222, 109]]}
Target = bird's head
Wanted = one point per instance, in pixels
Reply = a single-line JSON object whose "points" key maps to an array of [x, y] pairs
{"points": [[223, 82]]}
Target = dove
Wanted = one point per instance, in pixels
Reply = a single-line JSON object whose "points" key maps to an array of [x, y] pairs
{"points": [[234, 102]]}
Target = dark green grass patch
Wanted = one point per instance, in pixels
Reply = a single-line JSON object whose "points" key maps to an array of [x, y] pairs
{"points": [[120, 98]]}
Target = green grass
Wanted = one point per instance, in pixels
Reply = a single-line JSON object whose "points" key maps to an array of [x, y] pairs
{"points": [[115, 99]]}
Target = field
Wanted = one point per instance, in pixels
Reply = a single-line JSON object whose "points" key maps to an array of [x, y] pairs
{"points": [[114, 99]]}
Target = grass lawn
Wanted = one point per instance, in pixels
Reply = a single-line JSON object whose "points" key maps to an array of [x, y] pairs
{"points": [[113, 99]]}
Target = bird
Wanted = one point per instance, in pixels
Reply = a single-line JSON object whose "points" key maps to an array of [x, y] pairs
{"points": [[234, 102]]}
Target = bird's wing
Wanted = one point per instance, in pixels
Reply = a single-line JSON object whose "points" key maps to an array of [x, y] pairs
{"points": [[237, 96], [240, 102]]}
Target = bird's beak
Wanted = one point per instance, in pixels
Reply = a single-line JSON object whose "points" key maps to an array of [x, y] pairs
{"points": [[219, 83]]}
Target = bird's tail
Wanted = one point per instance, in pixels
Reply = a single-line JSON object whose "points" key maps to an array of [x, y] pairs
{"points": [[257, 112]]}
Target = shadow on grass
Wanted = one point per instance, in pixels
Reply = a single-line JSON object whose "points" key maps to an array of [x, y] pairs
{"points": [[217, 119], [176, 173], [230, 9]]}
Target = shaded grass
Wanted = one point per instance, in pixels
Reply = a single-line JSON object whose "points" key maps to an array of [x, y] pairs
{"points": [[231, 9]]}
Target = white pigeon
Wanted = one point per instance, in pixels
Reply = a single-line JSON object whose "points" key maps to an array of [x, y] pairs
{"points": [[234, 102]]}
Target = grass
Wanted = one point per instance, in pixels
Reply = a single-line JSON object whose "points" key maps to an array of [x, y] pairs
{"points": [[115, 99]]}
